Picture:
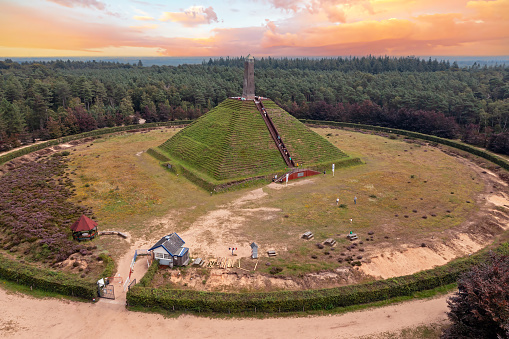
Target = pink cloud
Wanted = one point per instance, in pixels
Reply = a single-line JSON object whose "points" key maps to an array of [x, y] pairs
{"points": [[144, 27], [143, 18], [191, 17], [336, 14], [271, 25], [482, 28], [287, 5], [35, 29], [80, 3], [334, 10]]}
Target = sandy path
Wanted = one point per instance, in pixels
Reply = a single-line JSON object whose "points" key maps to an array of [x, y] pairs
{"points": [[25, 317]]}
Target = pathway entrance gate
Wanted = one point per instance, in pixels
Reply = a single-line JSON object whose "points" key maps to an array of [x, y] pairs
{"points": [[107, 292]]}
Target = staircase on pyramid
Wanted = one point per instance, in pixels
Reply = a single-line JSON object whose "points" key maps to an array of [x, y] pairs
{"points": [[244, 139]]}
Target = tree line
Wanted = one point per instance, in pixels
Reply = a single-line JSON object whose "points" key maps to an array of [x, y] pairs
{"points": [[57, 98]]}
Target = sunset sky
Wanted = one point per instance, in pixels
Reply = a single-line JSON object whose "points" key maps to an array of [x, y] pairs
{"points": [[45, 28]]}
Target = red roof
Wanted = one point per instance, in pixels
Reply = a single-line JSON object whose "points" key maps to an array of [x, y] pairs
{"points": [[84, 223]]}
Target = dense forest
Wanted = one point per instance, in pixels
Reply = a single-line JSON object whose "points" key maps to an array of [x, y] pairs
{"points": [[57, 98]]}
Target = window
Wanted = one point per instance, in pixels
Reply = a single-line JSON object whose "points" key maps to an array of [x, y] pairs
{"points": [[162, 255]]}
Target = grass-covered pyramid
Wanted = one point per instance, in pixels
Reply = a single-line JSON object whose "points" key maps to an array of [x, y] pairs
{"points": [[231, 144]]}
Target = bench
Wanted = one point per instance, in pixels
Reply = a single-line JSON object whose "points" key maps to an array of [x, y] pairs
{"points": [[352, 236], [331, 242], [308, 235]]}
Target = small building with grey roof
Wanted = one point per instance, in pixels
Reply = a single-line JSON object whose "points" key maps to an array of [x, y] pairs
{"points": [[170, 251]]}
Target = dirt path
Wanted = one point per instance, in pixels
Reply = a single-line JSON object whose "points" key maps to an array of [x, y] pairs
{"points": [[25, 316], [21, 147]]}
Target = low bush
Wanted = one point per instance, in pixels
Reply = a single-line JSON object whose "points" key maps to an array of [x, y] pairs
{"points": [[95, 133], [480, 307], [431, 138], [47, 280], [151, 272], [109, 267], [281, 301]]}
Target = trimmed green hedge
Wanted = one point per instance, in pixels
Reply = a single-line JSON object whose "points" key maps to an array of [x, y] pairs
{"points": [[158, 155], [26, 150], [231, 302], [109, 269], [151, 272], [290, 301], [338, 164], [54, 281], [46, 280], [452, 143]]}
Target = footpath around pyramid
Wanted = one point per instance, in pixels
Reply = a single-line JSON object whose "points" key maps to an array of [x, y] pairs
{"points": [[231, 145]]}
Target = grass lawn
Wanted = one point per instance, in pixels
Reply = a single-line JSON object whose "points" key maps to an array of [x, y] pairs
{"points": [[404, 191]]}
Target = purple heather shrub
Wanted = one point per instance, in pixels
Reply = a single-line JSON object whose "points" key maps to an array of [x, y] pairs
{"points": [[33, 205]]}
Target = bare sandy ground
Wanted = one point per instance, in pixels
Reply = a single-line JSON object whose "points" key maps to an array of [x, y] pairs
{"points": [[391, 263], [26, 317]]}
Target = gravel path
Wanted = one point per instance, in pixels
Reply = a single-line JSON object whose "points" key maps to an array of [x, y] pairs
{"points": [[25, 317]]}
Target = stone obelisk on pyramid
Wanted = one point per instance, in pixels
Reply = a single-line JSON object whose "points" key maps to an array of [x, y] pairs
{"points": [[248, 91], [246, 140]]}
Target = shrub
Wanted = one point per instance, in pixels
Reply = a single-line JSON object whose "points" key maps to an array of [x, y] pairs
{"points": [[276, 270], [284, 301], [22, 193], [480, 308], [109, 267], [45, 279], [147, 278]]}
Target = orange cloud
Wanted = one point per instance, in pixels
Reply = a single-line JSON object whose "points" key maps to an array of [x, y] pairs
{"points": [[144, 27], [30, 28], [229, 41], [334, 10], [287, 5], [80, 3], [491, 10], [193, 16], [470, 28], [452, 33], [143, 18]]}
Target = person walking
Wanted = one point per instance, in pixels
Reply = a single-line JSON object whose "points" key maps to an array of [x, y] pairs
{"points": [[355, 200], [337, 201]]}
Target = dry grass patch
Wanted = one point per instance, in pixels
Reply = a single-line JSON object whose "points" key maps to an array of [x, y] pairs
{"points": [[130, 191]]}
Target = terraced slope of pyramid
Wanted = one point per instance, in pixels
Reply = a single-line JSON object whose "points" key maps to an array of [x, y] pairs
{"points": [[306, 147], [232, 142]]}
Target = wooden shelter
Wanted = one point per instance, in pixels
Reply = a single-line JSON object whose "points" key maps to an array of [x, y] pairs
{"points": [[84, 229], [170, 251]]}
